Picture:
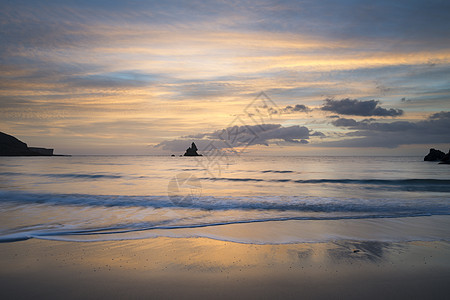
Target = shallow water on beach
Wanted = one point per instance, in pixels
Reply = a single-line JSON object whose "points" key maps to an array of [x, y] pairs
{"points": [[83, 198]]}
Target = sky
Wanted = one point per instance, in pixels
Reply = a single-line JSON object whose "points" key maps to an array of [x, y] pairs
{"points": [[255, 77]]}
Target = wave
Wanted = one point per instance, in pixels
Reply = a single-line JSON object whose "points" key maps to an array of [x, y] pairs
{"points": [[275, 171], [261, 203], [345, 181], [379, 181], [64, 175], [429, 229], [431, 185]]}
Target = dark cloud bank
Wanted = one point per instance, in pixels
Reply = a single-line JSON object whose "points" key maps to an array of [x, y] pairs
{"points": [[346, 106], [372, 133], [241, 136], [369, 132], [359, 108]]}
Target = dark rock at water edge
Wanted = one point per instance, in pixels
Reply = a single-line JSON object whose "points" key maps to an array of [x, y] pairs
{"points": [[11, 146], [434, 155], [42, 151], [446, 158], [192, 151]]}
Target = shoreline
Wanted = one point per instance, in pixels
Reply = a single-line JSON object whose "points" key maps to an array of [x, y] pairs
{"points": [[400, 229], [189, 268]]}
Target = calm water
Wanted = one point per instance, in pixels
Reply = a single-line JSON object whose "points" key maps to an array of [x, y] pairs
{"points": [[83, 198]]}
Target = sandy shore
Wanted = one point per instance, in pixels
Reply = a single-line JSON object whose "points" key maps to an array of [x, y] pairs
{"points": [[211, 269]]}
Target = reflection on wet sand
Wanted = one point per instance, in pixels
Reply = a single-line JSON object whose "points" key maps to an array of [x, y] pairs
{"points": [[200, 267], [373, 251]]}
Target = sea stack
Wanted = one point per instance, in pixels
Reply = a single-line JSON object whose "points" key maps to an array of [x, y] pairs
{"points": [[434, 155], [192, 151]]}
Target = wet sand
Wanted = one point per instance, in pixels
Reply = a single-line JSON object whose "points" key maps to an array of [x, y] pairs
{"points": [[187, 268]]}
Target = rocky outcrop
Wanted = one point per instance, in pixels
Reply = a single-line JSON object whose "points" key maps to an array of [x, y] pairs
{"points": [[43, 151], [11, 146], [434, 155], [446, 158], [192, 151]]}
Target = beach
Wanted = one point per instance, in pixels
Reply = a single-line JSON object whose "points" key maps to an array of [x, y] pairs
{"points": [[96, 227], [188, 268]]}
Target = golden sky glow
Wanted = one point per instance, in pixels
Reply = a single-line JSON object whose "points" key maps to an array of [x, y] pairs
{"points": [[92, 77]]}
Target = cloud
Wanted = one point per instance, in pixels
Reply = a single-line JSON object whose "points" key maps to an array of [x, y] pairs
{"points": [[121, 80], [405, 100], [343, 122], [367, 124], [440, 115], [243, 136], [297, 108], [359, 108], [433, 130]]}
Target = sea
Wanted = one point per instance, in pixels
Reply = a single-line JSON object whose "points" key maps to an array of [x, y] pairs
{"points": [[240, 198]]}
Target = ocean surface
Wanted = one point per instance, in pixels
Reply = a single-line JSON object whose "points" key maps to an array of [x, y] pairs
{"points": [[270, 199]]}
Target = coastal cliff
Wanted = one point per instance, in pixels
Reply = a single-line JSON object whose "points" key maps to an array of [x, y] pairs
{"points": [[11, 146]]}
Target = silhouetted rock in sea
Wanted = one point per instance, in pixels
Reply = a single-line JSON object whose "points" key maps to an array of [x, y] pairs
{"points": [[446, 158], [192, 151], [434, 155], [11, 146]]}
